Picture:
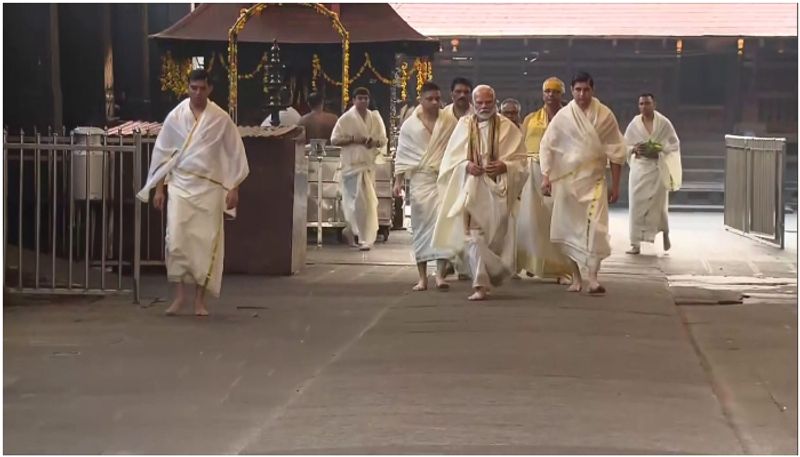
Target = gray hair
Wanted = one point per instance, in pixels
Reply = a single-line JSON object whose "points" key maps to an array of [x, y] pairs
{"points": [[512, 101], [481, 87]]}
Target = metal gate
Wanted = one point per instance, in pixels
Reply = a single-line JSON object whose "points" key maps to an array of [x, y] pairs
{"points": [[72, 199], [754, 181]]}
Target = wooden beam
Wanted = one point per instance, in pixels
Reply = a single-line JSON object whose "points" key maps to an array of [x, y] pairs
{"points": [[55, 70]]}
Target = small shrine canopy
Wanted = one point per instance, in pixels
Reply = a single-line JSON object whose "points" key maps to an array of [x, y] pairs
{"points": [[291, 23]]}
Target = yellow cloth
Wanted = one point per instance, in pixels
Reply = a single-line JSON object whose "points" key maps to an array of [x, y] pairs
{"points": [[553, 84], [535, 125]]}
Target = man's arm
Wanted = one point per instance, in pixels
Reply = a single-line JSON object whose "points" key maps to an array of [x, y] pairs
{"points": [[399, 184], [160, 196], [613, 196], [232, 199], [344, 140]]}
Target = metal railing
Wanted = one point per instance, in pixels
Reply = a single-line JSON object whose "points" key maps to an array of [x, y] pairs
{"points": [[154, 222], [85, 177], [754, 182]]}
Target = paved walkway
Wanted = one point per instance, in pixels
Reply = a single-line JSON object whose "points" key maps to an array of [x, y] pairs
{"points": [[344, 358]]}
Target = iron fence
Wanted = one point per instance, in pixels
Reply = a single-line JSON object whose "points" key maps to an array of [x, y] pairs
{"points": [[754, 183]]}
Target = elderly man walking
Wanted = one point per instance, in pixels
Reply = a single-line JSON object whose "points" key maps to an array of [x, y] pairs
{"points": [[482, 173]]}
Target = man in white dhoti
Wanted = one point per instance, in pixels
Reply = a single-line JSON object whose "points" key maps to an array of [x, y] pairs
{"points": [[577, 146], [536, 254], [460, 105], [654, 155], [361, 134], [482, 173], [200, 156], [420, 148]]}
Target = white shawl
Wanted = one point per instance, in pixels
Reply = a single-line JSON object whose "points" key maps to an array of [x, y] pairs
{"points": [[578, 145], [209, 148], [419, 149], [490, 203], [669, 161], [357, 157]]}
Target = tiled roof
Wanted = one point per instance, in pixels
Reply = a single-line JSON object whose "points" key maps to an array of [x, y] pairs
{"points": [[602, 19]]}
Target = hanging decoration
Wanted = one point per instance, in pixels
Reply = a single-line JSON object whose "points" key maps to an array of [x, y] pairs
{"points": [[420, 69], [404, 77], [233, 57], [175, 75], [317, 71]]}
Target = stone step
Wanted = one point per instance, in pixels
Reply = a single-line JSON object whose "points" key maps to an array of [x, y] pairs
{"points": [[703, 161], [678, 208], [694, 193], [704, 174], [716, 148]]}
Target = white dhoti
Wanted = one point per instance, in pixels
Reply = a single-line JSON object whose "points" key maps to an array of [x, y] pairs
{"points": [[201, 160], [478, 213], [649, 201], [575, 151], [357, 179], [424, 208], [360, 203], [535, 252], [580, 225], [195, 238], [651, 180]]}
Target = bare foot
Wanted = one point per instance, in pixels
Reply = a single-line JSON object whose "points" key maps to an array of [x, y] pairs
{"points": [[174, 308], [479, 294], [200, 309], [441, 284], [421, 285], [574, 287]]}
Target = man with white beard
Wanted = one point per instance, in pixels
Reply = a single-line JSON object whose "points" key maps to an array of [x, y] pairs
{"points": [[576, 148], [482, 174], [361, 134], [654, 156]]}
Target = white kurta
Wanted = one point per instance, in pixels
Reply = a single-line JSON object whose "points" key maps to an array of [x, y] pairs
{"points": [[200, 160], [419, 155], [575, 150], [357, 181], [478, 213], [650, 180]]}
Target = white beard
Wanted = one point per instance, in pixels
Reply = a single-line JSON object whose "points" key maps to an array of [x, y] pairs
{"points": [[485, 117]]}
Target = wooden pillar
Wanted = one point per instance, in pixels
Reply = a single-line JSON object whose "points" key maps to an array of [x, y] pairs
{"points": [[145, 54], [55, 70], [108, 62], [676, 84]]}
